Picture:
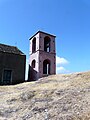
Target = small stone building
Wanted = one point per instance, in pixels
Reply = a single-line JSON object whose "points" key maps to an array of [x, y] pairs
{"points": [[42, 55], [12, 65]]}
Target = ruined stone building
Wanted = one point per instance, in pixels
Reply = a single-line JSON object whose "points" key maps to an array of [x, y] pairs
{"points": [[42, 60], [12, 65]]}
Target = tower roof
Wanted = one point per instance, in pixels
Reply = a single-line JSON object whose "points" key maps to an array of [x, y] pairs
{"points": [[43, 33]]}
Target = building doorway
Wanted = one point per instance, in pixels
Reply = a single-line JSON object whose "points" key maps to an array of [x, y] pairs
{"points": [[7, 77]]}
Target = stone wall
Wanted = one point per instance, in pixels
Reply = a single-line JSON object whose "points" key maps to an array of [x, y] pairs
{"points": [[13, 62]]}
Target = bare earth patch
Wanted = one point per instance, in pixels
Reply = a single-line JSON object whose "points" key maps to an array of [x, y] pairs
{"points": [[57, 97]]}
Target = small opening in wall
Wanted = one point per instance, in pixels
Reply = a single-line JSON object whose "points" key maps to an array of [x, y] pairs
{"points": [[33, 63]]}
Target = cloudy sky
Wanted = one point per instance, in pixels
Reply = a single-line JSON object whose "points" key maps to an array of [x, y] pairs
{"points": [[69, 20]]}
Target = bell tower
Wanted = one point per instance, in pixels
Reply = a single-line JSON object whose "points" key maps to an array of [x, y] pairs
{"points": [[42, 60]]}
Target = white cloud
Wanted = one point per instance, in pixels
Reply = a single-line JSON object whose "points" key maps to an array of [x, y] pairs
{"points": [[61, 61], [61, 70]]}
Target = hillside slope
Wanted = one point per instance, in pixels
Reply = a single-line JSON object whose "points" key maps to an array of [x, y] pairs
{"points": [[57, 97]]}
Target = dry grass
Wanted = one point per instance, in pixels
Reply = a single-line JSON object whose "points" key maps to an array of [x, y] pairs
{"points": [[65, 97]]}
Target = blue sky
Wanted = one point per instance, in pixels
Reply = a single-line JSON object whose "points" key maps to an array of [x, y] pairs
{"points": [[69, 20]]}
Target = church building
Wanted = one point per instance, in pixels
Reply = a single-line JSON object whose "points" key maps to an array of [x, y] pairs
{"points": [[12, 65]]}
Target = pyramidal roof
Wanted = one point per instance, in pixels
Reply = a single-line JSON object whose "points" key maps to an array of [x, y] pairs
{"points": [[41, 32]]}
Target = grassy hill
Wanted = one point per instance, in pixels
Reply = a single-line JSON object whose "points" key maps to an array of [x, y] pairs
{"points": [[57, 97]]}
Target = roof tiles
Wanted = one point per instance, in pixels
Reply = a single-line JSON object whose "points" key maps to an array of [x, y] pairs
{"points": [[10, 49]]}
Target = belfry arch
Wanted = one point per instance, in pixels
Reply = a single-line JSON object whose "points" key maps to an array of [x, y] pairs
{"points": [[34, 45], [47, 44], [46, 67], [33, 64]]}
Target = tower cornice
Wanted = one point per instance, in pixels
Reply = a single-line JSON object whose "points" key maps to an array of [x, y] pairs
{"points": [[41, 32]]}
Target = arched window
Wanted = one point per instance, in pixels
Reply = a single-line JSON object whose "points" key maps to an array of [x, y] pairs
{"points": [[33, 64], [34, 45], [47, 44], [46, 67]]}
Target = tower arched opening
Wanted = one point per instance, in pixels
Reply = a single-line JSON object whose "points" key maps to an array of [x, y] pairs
{"points": [[46, 67], [34, 45], [47, 44], [33, 64]]}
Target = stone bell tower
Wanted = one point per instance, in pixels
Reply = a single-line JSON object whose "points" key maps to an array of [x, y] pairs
{"points": [[42, 60]]}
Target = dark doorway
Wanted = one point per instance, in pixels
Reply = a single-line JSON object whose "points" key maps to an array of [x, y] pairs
{"points": [[47, 44], [46, 67], [7, 76]]}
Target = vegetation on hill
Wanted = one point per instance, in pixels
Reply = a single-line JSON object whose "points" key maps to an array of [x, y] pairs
{"points": [[57, 97]]}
